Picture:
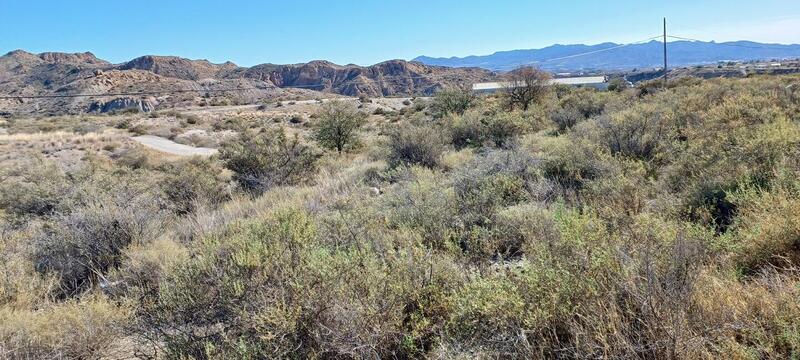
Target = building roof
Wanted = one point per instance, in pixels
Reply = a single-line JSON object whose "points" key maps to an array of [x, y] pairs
{"points": [[575, 81]]}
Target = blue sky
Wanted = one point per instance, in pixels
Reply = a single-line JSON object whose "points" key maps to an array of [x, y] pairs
{"points": [[366, 32]]}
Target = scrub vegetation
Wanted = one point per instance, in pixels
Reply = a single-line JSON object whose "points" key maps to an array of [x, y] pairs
{"points": [[633, 223]]}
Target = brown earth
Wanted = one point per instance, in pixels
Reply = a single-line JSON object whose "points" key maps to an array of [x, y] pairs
{"points": [[167, 81]]}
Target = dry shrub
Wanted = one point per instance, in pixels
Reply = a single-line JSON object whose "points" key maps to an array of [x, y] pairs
{"points": [[37, 188], [267, 288], [267, 159], [767, 229], [82, 246], [415, 145], [194, 183], [77, 329]]}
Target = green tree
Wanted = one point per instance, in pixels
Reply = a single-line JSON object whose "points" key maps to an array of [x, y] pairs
{"points": [[338, 125]]}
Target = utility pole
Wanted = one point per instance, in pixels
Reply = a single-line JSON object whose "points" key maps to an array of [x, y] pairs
{"points": [[665, 53]]}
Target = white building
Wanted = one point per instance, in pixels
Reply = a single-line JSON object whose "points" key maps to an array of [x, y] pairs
{"points": [[597, 82]]}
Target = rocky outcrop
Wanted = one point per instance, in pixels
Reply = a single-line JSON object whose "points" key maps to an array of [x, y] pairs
{"points": [[384, 79], [177, 67], [123, 104], [85, 58]]}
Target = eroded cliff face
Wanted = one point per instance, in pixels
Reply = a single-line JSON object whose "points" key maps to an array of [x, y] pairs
{"points": [[182, 81], [124, 103], [395, 77]]}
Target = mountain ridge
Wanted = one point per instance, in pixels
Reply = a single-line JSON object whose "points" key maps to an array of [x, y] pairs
{"points": [[185, 81], [611, 56]]}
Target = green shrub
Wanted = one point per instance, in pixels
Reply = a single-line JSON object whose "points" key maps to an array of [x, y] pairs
{"points": [[504, 126], [632, 134], [467, 130], [268, 289], [267, 159], [492, 181], [476, 128], [89, 328], [427, 206], [452, 101]]}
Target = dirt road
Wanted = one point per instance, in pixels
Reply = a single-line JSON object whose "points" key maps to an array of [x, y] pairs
{"points": [[171, 147]]}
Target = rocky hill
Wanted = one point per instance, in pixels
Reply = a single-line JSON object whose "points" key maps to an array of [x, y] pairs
{"points": [[394, 77], [166, 81], [177, 67]]}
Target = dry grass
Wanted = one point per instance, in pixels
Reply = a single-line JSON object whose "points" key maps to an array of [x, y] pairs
{"points": [[659, 225]]}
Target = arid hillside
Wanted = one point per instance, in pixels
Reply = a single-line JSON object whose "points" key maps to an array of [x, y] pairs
{"points": [[150, 82]]}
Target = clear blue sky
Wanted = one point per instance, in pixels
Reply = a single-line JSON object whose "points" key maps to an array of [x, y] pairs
{"points": [[366, 32]]}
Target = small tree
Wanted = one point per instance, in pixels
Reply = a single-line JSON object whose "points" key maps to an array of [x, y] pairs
{"points": [[266, 159], [452, 101], [338, 125], [527, 85]]}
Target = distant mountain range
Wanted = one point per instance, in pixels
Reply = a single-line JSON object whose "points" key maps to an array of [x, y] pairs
{"points": [[612, 56]]}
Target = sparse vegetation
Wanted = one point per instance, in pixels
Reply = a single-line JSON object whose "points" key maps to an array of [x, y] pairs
{"points": [[262, 160], [635, 223], [337, 125], [452, 101]]}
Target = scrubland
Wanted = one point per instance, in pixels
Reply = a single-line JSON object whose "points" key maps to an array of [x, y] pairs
{"points": [[635, 223]]}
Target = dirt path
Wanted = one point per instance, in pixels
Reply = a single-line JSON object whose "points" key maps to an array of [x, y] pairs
{"points": [[171, 147]]}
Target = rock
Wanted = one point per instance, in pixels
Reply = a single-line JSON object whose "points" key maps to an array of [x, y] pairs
{"points": [[122, 104]]}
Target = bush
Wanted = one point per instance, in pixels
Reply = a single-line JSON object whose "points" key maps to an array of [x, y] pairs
{"points": [[452, 101], [195, 183], [81, 246], [766, 231], [495, 180], [415, 145], [618, 85], [338, 125], [267, 159], [565, 119], [639, 136], [504, 126], [85, 329], [467, 130], [427, 206], [36, 189], [268, 290], [572, 165], [476, 128]]}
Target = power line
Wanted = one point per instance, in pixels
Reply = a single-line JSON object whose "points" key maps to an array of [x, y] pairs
{"points": [[595, 51]]}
